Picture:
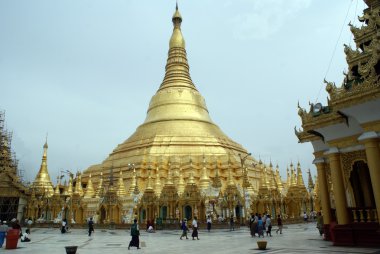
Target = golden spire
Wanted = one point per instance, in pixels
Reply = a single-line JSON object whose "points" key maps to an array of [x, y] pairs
{"points": [[265, 179], [89, 189], [288, 178], [149, 187], [78, 185], [157, 185], [80, 188], [293, 181], [120, 186], [230, 180], [310, 183], [205, 181], [191, 179], [272, 177], [100, 187], [42, 182], [57, 192], [70, 187], [136, 191], [177, 68], [299, 176], [280, 186], [181, 183], [169, 179], [216, 183], [133, 180]]}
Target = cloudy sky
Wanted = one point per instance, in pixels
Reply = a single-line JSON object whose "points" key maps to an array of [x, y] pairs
{"points": [[85, 71]]}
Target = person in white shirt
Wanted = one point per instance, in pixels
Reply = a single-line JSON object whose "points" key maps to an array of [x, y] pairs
{"points": [[195, 229], [209, 223], [25, 236]]}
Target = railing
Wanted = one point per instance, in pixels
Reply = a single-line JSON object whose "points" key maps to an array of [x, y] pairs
{"points": [[364, 214]]}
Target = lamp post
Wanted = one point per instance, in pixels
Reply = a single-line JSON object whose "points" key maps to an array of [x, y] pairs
{"points": [[242, 161]]}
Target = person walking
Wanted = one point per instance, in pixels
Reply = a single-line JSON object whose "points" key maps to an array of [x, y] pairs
{"points": [[64, 224], [279, 224], [135, 233], [320, 223], [253, 225], [268, 223], [184, 229], [90, 226], [232, 226], [209, 223], [260, 226], [195, 228], [305, 217]]}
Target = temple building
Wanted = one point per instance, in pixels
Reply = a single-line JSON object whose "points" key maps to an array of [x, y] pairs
{"points": [[13, 193], [177, 164], [345, 135]]}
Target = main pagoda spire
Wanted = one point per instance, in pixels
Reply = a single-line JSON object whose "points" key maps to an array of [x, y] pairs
{"points": [[177, 68]]}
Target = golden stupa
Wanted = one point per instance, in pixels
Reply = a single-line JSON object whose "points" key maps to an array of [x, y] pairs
{"points": [[177, 164], [177, 130], [42, 182]]}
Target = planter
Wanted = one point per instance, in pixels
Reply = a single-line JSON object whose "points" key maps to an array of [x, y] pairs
{"points": [[262, 245], [71, 249]]}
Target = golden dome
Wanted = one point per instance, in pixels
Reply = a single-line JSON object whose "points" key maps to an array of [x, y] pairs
{"points": [[177, 126]]}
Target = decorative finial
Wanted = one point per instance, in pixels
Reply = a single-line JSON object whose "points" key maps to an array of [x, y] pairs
{"points": [[176, 5]]}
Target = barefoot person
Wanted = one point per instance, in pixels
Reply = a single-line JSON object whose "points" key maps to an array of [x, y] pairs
{"points": [[135, 233], [90, 226]]}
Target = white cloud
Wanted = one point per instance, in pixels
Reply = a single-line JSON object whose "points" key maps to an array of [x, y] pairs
{"points": [[262, 18]]}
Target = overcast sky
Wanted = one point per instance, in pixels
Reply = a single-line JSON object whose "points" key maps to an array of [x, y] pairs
{"points": [[85, 71]]}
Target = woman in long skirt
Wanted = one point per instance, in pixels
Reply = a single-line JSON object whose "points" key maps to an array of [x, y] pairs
{"points": [[135, 232], [195, 229]]}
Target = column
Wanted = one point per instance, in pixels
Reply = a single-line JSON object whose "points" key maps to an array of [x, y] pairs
{"points": [[338, 186], [372, 150], [324, 189]]}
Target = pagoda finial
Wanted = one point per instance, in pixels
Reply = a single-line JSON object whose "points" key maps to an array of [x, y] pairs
{"points": [[120, 186], [157, 185], [89, 193], [42, 180]]}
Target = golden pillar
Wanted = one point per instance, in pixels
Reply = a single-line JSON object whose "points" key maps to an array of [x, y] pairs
{"points": [[372, 150], [324, 190], [338, 185]]}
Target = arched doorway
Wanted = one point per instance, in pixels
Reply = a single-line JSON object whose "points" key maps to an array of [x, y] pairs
{"points": [[188, 212], [103, 214], [142, 215], [164, 212], [361, 185]]}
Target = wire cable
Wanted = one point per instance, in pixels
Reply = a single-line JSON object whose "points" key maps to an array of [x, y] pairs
{"points": [[336, 45]]}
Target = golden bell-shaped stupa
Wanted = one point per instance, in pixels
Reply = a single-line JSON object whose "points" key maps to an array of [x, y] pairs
{"points": [[177, 127]]}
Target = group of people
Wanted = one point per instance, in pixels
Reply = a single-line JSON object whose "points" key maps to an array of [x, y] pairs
{"points": [[24, 236], [263, 224], [194, 225]]}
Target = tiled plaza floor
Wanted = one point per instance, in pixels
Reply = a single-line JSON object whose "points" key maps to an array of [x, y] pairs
{"points": [[297, 238]]}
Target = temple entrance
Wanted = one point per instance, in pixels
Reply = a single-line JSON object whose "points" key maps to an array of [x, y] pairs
{"points": [[8, 208], [164, 212], [103, 214], [238, 212], [66, 213], [188, 212], [361, 185], [142, 215]]}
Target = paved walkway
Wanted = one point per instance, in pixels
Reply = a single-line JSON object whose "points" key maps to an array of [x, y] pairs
{"points": [[298, 238]]}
